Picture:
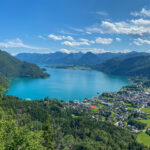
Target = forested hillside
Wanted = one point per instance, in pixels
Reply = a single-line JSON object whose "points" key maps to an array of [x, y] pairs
{"points": [[12, 67], [133, 66], [46, 124]]}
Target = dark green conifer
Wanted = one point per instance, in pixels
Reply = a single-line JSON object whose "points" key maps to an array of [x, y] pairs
{"points": [[48, 133]]}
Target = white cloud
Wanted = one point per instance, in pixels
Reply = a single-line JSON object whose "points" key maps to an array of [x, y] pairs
{"points": [[72, 44], [86, 40], [83, 41], [142, 13], [141, 22], [66, 32], [104, 41], [122, 51], [77, 29], [65, 51], [80, 42], [102, 13], [59, 38], [18, 43], [140, 42], [138, 27], [99, 51], [118, 39], [88, 32], [95, 51]]}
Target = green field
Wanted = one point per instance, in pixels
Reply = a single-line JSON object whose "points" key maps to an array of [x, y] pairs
{"points": [[146, 121], [101, 105], [144, 139], [127, 104], [146, 110], [131, 108], [146, 89]]}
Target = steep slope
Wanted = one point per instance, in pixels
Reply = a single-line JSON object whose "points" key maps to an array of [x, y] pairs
{"points": [[133, 66], [12, 67], [4, 81]]}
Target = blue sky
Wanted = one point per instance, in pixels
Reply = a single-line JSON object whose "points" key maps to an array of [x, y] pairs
{"points": [[43, 26]]}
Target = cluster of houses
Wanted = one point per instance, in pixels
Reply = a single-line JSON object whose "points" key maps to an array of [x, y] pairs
{"points": [[115, 107]]}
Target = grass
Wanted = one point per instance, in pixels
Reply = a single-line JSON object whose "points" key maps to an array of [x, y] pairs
{"points": [[146, 110], [146, 89], [143, 138], [146, 122], [127, 104], [113, 113], [103, 118], [74, 116], [101, 105], [111, 98], [96, 110], [131, 108], [148, 116]]}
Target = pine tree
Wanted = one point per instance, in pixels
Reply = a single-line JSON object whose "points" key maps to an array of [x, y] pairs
{"points": [[48, 134]]}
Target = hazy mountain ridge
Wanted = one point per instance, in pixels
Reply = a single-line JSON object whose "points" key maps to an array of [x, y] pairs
{"points": [[60, 58]]}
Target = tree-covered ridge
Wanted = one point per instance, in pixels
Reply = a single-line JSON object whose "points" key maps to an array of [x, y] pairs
{"points": [[68, 128], [12, 67], [133, 66]]}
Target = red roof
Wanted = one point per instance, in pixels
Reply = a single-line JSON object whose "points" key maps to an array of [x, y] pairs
{"points": [[93, 107]]}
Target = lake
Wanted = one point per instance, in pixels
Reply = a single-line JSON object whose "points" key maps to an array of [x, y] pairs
{"points": [[66, 85]]}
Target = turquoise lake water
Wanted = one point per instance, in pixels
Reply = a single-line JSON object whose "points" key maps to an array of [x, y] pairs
{"points": [[66, 85]]}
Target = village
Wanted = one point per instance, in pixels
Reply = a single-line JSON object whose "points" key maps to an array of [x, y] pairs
{"points": [[128, 108]]}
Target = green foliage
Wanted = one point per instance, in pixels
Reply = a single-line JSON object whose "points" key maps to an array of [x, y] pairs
{"points": [[12, 67], [13, 137], [4, 81], [137, 124], [147, 122], [146, 110], [129, 66], [67, 131], [148, 132], [144, 139], [1, 92], [48, 133]]}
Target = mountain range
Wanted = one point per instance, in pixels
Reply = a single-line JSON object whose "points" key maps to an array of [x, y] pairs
{"points": [[126, 64], [60, 58]]}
